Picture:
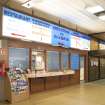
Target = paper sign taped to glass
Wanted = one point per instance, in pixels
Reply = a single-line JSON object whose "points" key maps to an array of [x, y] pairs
{"points": [[39, 63]]}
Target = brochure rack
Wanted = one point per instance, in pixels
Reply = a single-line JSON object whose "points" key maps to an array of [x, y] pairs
{"points": [[17, 87]]}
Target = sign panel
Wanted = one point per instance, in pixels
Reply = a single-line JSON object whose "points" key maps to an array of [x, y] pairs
{"points": [[41, 31], [21, 26], [80, 41], [60, 36], [18, 25]]}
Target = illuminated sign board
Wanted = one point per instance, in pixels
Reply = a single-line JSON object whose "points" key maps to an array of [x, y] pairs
{"points": [[18, 25], [60, 36], [80, 41], [21, 26], [102, 45]]}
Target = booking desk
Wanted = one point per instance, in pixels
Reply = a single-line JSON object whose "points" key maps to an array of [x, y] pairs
{"points": [[49, 80]]}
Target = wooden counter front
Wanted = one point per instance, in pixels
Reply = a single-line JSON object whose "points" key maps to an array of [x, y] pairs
{"points": [[36, 85], [49, 80]]}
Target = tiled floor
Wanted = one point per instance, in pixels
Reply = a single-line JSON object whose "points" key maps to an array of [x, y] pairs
{"points": [[85, 94]]}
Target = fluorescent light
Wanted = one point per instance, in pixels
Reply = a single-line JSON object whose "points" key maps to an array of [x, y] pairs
{"points": [[95, 9], [102, 17], [26, 40], [31, 3], [28, 4]]}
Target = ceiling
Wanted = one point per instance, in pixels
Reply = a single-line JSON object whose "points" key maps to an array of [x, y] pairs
{"points": [[73, 11], [100, 36]]}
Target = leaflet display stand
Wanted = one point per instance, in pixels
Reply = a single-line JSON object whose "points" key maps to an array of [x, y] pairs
{"points": [[17, 87]]}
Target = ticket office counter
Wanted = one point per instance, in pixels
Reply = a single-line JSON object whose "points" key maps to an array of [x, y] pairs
{"points": [[45, 67], [50, 80]]}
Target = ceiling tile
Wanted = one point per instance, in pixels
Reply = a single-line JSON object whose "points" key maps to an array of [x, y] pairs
{"points": [[73, 11]]}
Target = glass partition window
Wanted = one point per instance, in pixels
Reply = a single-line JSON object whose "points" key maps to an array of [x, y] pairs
{"points": [[19, 58], [64, 61], [75, 61], [52, 61], [38, 62]]}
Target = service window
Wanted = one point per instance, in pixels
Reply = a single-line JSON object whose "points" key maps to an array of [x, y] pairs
{"points": [[75, 61], [38, 60], [19, 58], [65, 61], [52, 61]]}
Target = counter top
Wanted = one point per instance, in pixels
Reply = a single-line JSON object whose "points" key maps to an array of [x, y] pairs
{"points": [[48, 74]]}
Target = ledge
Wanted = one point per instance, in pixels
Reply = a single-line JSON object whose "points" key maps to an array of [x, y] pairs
{"points": [[48, 74]]}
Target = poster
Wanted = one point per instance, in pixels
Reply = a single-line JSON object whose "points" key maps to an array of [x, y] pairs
{"points": [[38, 62]]}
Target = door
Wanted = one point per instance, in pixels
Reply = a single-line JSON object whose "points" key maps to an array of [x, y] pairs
{"points": [[102, 68], [93, 68], [82, 68]]}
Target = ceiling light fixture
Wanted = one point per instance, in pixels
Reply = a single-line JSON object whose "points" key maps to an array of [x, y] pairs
{"points": [[102, 17], [30, 3], [95, 9]]}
